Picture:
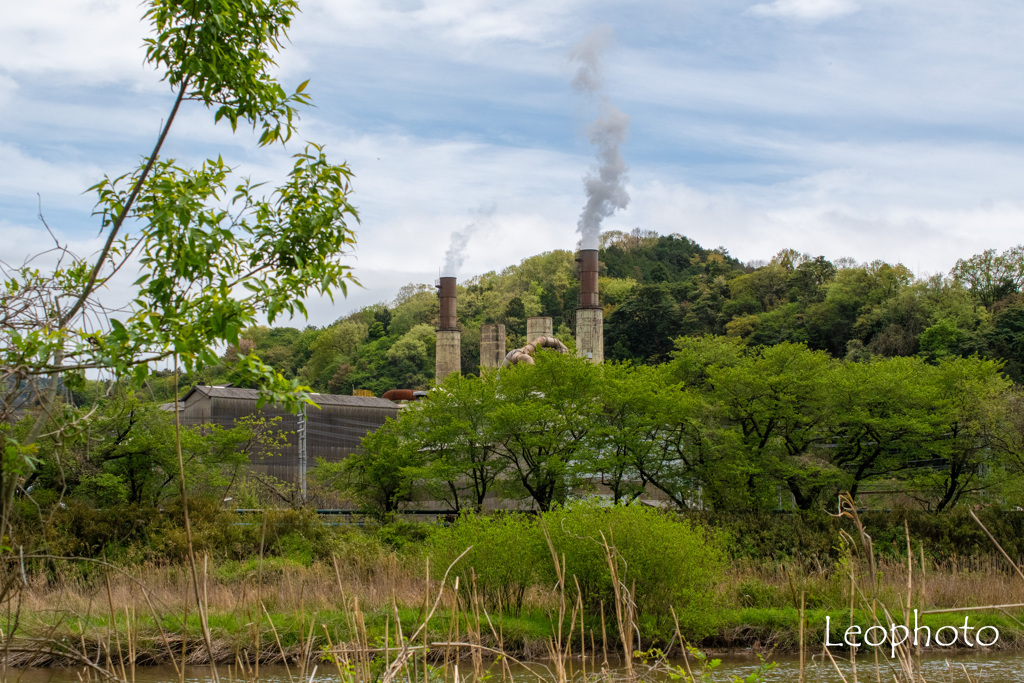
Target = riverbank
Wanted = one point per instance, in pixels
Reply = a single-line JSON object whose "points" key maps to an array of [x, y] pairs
{"points": [[284, 587], [280, 610], [321, 636]]}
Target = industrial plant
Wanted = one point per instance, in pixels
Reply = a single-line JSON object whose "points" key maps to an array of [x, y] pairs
{"points": [[539, 329], [333, 429]]}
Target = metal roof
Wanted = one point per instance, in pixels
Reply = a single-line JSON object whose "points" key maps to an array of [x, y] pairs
{"points": [[343, 400], [216, 391]]}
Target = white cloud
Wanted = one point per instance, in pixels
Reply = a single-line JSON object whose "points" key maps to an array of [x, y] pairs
{"points": [[411, 193], [892, 136], [440, 22], [808, 10], [22, 175], [34, 245], [93, 40], [924, 238], [8, 88]]}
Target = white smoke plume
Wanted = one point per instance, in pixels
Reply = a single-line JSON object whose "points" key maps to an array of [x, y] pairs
{"points": [[456, 254], [605, 185]]}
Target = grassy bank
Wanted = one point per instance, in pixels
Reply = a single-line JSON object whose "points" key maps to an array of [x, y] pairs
{"points": [[283, 610], [284, 587]]}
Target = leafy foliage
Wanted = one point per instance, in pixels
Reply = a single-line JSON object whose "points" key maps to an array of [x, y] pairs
{"points": [[504, 559], [215, 255], [664, 562], [723, 426]]}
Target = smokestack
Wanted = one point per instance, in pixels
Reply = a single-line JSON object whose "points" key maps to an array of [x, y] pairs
{"points": [[589, 315], [539, 326], [492, 345], [446, 292], [605, 187], [448, 347], [588, 278]]}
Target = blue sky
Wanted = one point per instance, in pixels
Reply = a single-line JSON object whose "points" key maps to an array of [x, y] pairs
{"points": [[875, 130]]}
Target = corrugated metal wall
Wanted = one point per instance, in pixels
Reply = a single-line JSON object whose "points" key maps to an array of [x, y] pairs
{"points": [[333, 430]]}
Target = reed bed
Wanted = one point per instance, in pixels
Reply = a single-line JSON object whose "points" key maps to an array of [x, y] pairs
{"points": [[953, 583], [288, 587], [388, 618]]}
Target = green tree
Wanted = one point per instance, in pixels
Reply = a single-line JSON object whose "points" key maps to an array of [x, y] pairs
{"points": [[991, 276], [411, 357], [451, 426], [778, 399], [652, 430], [379, 478], [627, 426], [419, 308], [129, 447], [642, 328], [1005, 337], [514, 317], [943, 338], [886, 414], [972, 405], [329, 348], [541, 421], [217, 254]]}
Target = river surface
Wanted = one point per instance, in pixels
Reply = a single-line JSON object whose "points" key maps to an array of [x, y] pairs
{"points": [[959, 667]]}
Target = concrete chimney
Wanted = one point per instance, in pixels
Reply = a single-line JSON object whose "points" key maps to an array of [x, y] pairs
{"points": [[539, 326], [492, 345], [448, 347], [589, 316]]}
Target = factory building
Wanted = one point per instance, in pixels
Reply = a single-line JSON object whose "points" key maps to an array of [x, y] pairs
{"points": [[333, 430]]}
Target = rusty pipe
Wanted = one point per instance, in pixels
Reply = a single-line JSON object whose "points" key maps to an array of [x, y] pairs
{"points": [[399, 395], [525, 354]]}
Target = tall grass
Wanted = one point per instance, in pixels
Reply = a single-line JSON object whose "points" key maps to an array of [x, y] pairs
{"points": [[379, 615]]}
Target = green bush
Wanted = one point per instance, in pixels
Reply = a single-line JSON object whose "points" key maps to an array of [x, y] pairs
{"points": [[808, 538], [399, 534], [756, 593], [501, 563], [668, 562], [106, 489], [271, 569]]}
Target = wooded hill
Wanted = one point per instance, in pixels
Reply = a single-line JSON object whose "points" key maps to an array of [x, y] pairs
{"points": [[656, 288]]}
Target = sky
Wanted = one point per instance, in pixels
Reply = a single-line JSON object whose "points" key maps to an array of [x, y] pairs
{"points": [[845, 128]]}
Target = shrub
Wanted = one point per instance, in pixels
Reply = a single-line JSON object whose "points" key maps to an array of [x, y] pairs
{"points": [[106, 489], [671, 564], [502, 562], [399, 534], [808, 538], [757, 593]]}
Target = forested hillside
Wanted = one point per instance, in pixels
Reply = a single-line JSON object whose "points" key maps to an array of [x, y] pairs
{"points": [[656, 288]]}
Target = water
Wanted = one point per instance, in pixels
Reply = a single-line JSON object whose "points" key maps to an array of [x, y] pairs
{"points": [[981, 668], [987, 667]]}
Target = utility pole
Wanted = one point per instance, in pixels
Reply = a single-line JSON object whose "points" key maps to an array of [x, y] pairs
{"points": [[302, 452]]}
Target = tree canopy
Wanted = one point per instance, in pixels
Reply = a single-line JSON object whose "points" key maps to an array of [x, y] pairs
{"points": [[721, 426]]}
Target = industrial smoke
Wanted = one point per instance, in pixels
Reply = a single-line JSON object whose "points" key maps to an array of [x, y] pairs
{"points": [[605, 185], [456, 254]]}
